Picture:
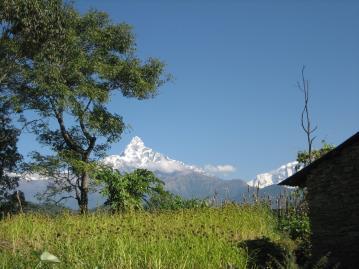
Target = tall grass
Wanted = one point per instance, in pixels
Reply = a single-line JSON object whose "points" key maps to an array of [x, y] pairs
{"points": [[193, 238]]}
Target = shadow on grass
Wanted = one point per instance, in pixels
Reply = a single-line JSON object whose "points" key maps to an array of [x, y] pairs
{"points": [[264, 253]]}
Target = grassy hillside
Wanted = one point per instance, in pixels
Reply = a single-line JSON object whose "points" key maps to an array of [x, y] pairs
{"points": [[196, 238]]}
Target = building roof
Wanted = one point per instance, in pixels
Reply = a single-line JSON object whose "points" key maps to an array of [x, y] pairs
{"points": [[300, 178]]}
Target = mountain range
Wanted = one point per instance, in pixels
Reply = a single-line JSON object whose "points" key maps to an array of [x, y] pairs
{"points": [[275, 176], [188, 181]]}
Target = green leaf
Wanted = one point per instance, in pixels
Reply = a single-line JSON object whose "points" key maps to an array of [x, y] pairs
{"points": [[48, 257]]}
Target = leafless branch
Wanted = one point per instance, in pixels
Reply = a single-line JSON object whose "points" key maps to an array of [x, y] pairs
{"points": [[305, 116], [64, 198]]}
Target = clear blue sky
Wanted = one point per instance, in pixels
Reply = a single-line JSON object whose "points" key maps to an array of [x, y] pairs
{"points": [[234, 98]]}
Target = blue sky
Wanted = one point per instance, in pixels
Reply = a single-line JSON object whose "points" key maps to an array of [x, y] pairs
{"points": [[236, 63]]}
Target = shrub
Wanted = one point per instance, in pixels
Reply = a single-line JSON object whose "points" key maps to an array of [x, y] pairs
{"points": [[295, 222], [169, 201], [129, 191]]}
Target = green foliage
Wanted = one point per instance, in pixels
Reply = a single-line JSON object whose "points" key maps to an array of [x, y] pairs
{"points": [[168, 201], [303, 156], [129, 191], [66, 67], [140, 189], [9, 158], [297, 225], [295, 222], [195, 238]]}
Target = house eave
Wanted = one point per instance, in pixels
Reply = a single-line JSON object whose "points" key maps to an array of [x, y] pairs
{"points": [[300, 178]]}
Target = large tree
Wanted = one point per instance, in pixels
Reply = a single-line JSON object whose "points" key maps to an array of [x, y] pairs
{"points": [[68, 67], [9, 156]]}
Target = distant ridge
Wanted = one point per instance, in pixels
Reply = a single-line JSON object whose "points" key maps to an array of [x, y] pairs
{"points": [[189, 181]]}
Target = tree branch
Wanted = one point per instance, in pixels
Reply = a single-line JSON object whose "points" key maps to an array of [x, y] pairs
{"points": [[91, 140], [67, 137], [88, 105], [2, 78], [63, 198], [305, 116]]}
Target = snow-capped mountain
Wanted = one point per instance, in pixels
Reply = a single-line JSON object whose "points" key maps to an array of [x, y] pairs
{"points": [[188, 181], [137, 155], [275, 176]]}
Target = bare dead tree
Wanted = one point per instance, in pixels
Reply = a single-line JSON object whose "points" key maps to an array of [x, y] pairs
{"points": [[305, 116]]}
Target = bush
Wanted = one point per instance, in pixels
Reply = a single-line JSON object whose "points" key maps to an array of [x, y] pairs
{"points": [[169, 201], [295, 222], [296, 225], [130, 191]]}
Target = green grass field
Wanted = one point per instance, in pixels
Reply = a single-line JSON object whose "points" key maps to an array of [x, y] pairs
{"points": [[195, 238]]}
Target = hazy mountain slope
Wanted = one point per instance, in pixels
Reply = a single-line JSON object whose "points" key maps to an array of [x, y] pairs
{"points": [[194, 185], [186, 180], [32, 187]]}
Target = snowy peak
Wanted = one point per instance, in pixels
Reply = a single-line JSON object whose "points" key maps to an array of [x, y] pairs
{"points": [[136, 141], [135, 145], [275, 176], [137, 155]]}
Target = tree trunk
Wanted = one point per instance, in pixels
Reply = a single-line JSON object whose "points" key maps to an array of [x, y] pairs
{"points": [[83, 203]]}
